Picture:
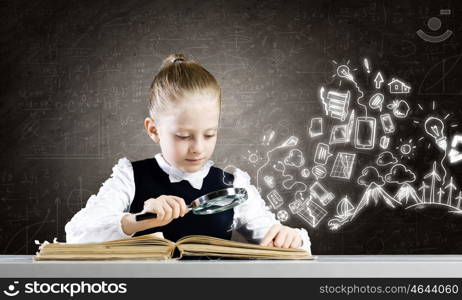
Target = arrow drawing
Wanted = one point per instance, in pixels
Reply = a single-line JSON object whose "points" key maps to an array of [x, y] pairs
{"points": [[378, 80]]}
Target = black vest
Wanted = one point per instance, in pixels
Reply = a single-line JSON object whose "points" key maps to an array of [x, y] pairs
{"points": [[151, 182]]}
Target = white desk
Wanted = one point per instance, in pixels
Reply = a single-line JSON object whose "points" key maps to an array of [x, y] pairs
{"points": [[411, 266]]}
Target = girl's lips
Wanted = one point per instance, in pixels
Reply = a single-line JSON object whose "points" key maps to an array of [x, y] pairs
{"points": [[194, 160]]}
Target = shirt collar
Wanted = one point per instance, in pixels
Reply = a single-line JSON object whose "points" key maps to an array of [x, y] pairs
{"points": [[175, 175]]}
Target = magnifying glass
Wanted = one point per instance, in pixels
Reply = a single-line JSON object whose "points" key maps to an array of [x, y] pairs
{"points": [[210, 203]]}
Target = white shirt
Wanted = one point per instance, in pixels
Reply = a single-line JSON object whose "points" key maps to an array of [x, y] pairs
{"points": [[100, 219]]}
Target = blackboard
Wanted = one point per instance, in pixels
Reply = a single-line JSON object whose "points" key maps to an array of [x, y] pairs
{"points": [[74, 86]]}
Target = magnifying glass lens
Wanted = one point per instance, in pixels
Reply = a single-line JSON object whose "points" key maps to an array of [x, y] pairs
{"points": [[218, 204]]}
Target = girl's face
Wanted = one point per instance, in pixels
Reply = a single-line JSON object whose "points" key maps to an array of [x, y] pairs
{"points": [[187, 133]]}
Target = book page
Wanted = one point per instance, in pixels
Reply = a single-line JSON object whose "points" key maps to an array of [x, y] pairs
{"points": [[198, 245], [220, 251], [141, 247]]}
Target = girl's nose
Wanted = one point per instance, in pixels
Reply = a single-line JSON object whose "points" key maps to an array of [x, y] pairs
{"points": [[197, 145]]}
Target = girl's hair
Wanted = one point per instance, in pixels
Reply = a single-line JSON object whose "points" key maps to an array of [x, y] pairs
{"points": [[178, 76]]}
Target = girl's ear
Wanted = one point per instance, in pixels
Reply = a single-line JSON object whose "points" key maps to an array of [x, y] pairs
{"points": [[151, 129]]}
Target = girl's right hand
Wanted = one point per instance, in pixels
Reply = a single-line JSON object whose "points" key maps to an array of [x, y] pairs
{"points": [[167, 209]]}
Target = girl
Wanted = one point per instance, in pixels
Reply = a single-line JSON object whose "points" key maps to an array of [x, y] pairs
{"points": [[184, 112]]}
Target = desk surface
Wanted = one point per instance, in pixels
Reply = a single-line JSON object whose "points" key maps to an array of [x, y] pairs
{"points": [[324, 266]]}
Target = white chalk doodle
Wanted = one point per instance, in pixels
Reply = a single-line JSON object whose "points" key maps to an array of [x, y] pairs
{"points": [[376, 101], [406, 148], [296, 206], [253, 157], [337, 104], [305, 173], [370, 175], [318, 191], [282, 215], [398, 87], [312, 213], [275, 199], [374, 192], [343, 165], [440, 194], [367, 66], [386, 158], [351, 124], [343, 71], [294, 158], [322, 154], [269, 180], [434, 127], [290, 142], [316, 127], [384, 142], [450, 209], [387, 123], [321, 95], [434, 176], [400, 174], [400, 108], [341, 134], [365, 133], [459, 199], [424, 187], [268, 138], [407, 194], [280, 167], [450, 187], [378, 80], [344, 211], [319, 172], [454, 154]]}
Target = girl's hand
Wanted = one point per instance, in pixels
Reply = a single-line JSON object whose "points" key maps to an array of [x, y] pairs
{"points": [[167, 209], [282, 236]]}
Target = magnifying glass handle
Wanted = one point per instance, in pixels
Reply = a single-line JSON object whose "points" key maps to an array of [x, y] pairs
{"points": [[150, 215], [145, 216]]}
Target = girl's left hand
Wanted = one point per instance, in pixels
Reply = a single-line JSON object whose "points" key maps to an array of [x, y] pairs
{"points": [[282, 236]]}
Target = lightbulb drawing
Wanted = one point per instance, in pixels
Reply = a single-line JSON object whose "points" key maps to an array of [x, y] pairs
{"points": [[435, 128], [344, 72]]}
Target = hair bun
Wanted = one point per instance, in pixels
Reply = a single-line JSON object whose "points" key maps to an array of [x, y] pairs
{"points": [[177, 76], [172, 59]]}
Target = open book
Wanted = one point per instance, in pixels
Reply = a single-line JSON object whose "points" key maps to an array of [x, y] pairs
{"points": [[150, 246]]}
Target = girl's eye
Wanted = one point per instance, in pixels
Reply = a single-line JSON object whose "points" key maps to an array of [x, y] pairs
{"points": [[185, 137]]}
